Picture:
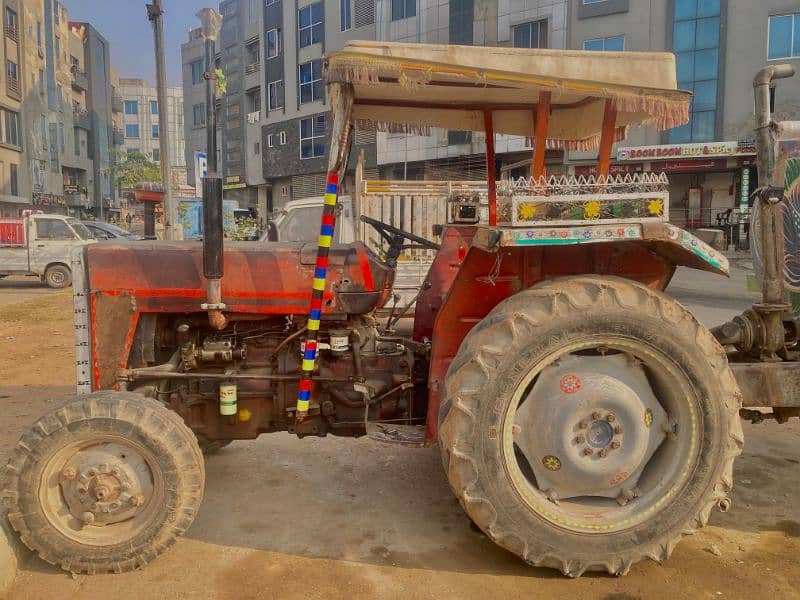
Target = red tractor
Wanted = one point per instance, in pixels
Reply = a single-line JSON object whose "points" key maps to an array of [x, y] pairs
{"points": [[586, 420]]}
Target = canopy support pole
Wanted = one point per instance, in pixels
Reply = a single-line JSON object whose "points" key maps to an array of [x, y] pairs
{"points": [[491, 183], [606, 139], [540, 134]]}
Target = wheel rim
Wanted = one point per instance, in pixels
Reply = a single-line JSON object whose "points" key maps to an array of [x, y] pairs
{"points": [[57, 277], [101, 492], [620, 436]]}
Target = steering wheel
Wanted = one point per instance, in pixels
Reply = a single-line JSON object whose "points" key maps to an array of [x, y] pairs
{"points": [[395, 238]]}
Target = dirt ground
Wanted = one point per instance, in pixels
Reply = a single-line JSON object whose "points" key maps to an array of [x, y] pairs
{"points": [[341, 518]]}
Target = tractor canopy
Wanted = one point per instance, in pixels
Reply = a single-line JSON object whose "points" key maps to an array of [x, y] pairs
{"points": [[558, 100]]}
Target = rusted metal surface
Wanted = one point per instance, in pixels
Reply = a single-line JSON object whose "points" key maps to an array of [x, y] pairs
{"points": [[768, 384], [467, 282], [166, 278]]}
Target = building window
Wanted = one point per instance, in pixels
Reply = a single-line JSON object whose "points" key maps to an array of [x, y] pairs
{"points": [[131, 107], [11, 18], [132, 130], [310, 24], [154, 131], [132, 150], [57, 12], [153, 107], [311, 85], [592, 1], [609, 44], [784, 37], [345, 14], [312, 136], [12, 69], [282, 138], [198, 114], [197, 71], [403, 9], [253, 100], [254, 6], [695, 41], [270, 143], [274, 42], [60, 96], [275, 94], [156, 154], [14, 179], [11, 127], [530, 35]]}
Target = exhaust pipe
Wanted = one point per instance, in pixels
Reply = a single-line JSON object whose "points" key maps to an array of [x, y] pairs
{"points": [[213, 258], [213, 263]]}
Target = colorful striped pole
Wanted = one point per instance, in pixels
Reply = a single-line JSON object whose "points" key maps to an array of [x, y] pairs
{"points": [[320, 273]]}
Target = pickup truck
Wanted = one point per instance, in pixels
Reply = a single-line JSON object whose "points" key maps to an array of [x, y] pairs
{"points": [[41, 245]]}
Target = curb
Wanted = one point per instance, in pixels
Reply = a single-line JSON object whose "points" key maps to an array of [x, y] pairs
{"points": [[8, 556]]}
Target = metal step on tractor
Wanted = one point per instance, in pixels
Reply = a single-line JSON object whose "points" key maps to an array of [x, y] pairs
{"points": [[586, 420]]}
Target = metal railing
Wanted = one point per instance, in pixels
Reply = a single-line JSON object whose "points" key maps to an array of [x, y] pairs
{"points": [[252, 68], [12, 83], [11, 33]]}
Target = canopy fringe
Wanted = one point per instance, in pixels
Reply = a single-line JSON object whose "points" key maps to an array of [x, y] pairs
{"points": [[584, 145]]}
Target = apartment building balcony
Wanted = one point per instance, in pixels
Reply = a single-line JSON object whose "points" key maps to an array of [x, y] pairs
{"points": [[252, 68], [80, 81], [11, 33], [81, 118], [118, 137], [116, 103]]}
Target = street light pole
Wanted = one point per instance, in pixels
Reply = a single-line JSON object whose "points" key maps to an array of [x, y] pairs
{"points": [[172, 229]]}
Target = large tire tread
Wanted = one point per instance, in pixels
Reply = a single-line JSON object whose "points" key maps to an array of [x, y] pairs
{"points": [[481, 354], [153, 421]]}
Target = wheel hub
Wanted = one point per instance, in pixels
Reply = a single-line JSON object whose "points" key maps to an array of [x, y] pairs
{"points": [[105, 484], [589, 425]]}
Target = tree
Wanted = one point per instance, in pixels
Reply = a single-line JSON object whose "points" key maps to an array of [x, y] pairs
{"points": [[130, 168]]}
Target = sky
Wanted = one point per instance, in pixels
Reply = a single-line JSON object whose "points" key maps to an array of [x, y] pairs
{"points": [[130, 35]]}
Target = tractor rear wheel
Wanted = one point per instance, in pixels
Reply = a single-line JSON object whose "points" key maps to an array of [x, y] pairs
{"points": [[589, 423], [105, 483]]}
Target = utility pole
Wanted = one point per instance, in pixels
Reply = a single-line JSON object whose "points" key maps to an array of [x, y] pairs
{"points": [[172, 229]]}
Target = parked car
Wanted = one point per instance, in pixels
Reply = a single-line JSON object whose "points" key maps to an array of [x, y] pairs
{"points": [[41, 245], [106, 231]]}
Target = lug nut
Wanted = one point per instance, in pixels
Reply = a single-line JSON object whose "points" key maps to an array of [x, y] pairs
{"points": [[596, 415], [618, 429], [68, 473], [584, 424], [603, 453], [87, 517], [615, 444], [137, 500], [82, 490], [92, 472], [610, 417], [580, 439], [588, 451]]}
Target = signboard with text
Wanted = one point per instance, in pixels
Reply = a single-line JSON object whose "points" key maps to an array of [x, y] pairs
{"points": [[684, 151]]}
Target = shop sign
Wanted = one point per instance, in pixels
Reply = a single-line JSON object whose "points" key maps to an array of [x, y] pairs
{"points": [[678, 151], [686, 166], [48, 200], [591, 170]]}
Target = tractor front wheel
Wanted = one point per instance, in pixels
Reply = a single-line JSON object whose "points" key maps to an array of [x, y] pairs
{"points": [[589, 423], [105, 483]]}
